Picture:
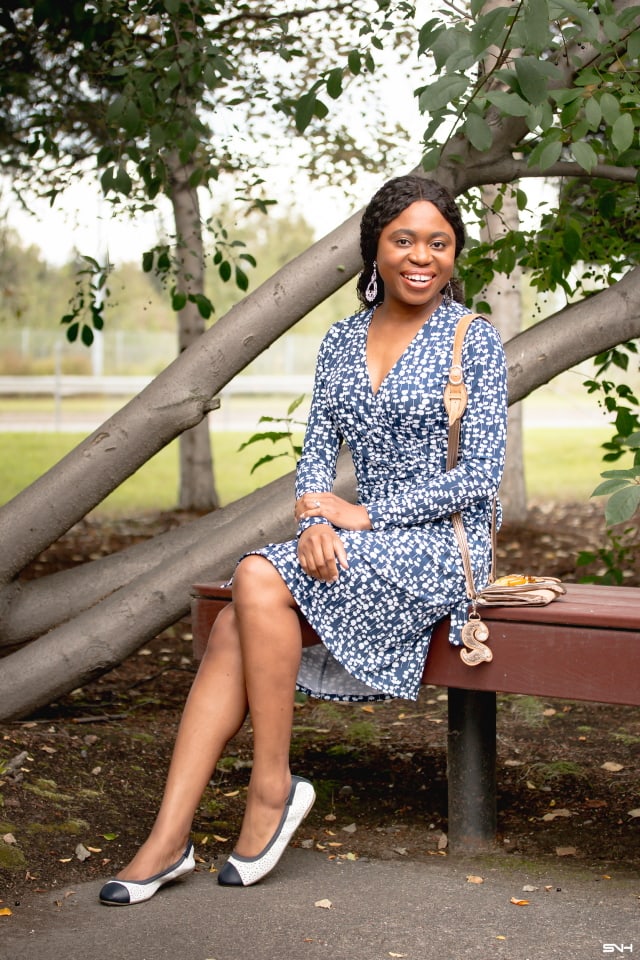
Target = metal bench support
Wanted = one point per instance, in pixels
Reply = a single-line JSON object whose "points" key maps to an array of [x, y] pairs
{"points": [[471, 752]]}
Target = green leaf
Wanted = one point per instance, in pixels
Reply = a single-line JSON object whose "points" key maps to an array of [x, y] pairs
{"points": [[532, 79], [622, 505], [571, 241], [508, 103], [147, 261], [355, 62], [178, 300], [72, 332], [584, 155], [225, 270], [272, 435], [622, 132], [440, 94], [334, 83], [633, 45], [242, 280], [122, 181], [429, 31], [86, 335], [609, 487], [546, 153], [489, 29], [204, 305], [593, 113], [305, 108], [478, 131], [267, 459], [610, 108], [535, 21], [430, 159]]}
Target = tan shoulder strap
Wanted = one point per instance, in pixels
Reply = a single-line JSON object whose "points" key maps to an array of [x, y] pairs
{"points": [[455, 391], [455, 402]]}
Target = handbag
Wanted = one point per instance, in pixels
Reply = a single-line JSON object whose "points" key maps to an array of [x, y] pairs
{"points": [[513, 589]]}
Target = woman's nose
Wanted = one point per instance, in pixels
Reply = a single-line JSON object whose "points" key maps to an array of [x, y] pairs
{"points": [[420, 253]]}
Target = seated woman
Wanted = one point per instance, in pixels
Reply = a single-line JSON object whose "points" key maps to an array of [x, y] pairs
{"points": [[371, 578]]}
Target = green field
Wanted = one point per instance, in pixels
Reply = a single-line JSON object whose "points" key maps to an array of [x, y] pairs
{"points": [[561, 464]]}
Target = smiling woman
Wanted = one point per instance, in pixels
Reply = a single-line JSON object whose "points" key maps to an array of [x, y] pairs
{"points": [[370, 578]]}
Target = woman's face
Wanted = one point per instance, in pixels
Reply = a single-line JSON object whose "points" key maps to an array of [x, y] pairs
{"points": [[416, 255]]}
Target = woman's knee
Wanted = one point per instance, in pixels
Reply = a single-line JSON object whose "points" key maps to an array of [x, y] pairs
{"points": [[256, 580]]}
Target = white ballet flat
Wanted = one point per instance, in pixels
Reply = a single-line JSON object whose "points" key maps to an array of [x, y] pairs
{"points": [[241, 871], [122, 893]]}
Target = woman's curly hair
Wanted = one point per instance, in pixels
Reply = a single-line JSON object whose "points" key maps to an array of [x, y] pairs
{"points": [[387, 203]]}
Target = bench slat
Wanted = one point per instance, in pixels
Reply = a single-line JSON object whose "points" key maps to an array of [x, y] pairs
{"points": [[583, 646]]}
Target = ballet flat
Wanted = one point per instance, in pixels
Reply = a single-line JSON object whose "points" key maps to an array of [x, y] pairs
{"points": [[241, 871], [123, 893]]}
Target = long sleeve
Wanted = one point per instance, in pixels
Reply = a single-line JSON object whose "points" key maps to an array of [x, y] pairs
{"points": [[316, 469]]}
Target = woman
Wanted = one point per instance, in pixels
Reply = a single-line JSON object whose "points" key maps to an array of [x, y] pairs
{"points": [[372, 578]]}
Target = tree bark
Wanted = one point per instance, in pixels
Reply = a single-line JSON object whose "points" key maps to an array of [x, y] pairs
{"points": [[504, 295], [196, 478]]}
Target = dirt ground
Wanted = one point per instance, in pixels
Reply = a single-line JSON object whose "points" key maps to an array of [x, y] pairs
{"points": [[80, 781]]}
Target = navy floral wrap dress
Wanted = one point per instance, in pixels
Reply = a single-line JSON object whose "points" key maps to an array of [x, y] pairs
{"points": [[405, 574]]}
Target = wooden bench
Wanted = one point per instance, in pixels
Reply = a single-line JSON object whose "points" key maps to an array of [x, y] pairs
{"points": [[583, 646]]}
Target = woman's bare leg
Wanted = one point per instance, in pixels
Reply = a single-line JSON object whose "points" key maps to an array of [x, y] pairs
{"points": [[213, 714], [270, 639]]}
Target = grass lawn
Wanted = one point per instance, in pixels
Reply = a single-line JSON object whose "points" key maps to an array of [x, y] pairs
{"points": [[561, 465]]}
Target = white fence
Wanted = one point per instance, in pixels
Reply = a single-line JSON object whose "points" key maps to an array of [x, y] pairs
{"points": [[74, 386]]}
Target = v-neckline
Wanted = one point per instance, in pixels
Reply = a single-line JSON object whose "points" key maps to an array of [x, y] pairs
{"points": [[399, 360]]}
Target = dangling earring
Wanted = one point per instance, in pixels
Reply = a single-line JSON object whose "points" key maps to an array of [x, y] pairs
{"points": [[448, 294], [371, 292]]}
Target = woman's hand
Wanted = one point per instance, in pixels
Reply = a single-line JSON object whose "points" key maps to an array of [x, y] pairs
{"points": [[320, 551], [337, 511]]}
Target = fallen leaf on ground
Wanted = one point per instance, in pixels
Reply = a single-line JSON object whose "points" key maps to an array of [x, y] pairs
{"points": [[612, 767], [529, 888], [519, 903], [220, 839], [94, 849], [82, 853], [557, 813], [635, 812], [9, 838], [565, 851], [5, 912], [324, 904], [472, 879], [391, 954], [367, 709], [350, 829], [443, 841]]}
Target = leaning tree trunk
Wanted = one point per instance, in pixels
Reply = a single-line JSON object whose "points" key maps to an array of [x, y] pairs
{"points": [[197, 487], [104, 626]]}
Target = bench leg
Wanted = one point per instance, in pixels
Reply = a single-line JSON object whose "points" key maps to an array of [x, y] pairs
{"points": [[472, 770]]}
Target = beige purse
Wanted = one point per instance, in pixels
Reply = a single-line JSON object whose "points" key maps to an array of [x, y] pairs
{"points": [[513, 589]]}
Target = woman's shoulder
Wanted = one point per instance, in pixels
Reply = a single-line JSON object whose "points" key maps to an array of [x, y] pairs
{"points": [[348, 326]]}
